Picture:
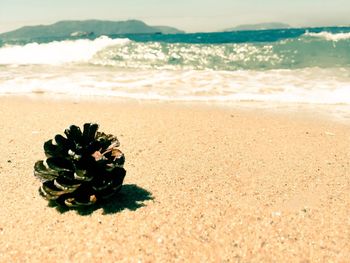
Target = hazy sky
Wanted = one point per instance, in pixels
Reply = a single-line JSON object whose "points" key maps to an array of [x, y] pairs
{"points": [[189, 15]]}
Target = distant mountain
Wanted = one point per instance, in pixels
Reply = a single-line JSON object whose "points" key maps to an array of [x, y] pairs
{"points": [[85, 28], [168, 30], [261, 26]]}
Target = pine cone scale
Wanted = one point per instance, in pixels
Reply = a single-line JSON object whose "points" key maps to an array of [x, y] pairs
{"points": [[51, 190], [60, 140], [73, 133], [66, 185], [59, 164], [52, 150], [89, 132], [41, 171]]}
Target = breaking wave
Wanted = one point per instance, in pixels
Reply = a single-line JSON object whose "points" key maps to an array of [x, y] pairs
{"points": [[308, 50], [56, 52], [329, 36]]}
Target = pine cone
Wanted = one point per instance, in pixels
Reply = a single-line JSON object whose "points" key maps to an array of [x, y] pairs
{"points": [[81, 168]]}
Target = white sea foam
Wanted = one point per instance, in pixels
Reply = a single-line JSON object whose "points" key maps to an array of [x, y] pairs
{"points": [[329, 36], [312, 85], [56, 52]]}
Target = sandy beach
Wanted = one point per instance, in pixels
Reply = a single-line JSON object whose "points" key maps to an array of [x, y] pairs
{"points": [[203, 184]]}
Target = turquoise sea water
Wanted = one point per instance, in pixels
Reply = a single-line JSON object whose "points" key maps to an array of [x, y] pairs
{"points": [[310, 66]]}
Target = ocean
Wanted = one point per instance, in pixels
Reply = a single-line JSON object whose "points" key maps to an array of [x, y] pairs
{"points": [[309, 66]]}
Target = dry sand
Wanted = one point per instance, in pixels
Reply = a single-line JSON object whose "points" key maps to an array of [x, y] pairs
{"points": [[203, 184]]}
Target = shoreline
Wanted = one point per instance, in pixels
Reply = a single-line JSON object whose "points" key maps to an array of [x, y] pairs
{"points": [[338, 113], [203, 183]]}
